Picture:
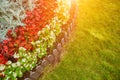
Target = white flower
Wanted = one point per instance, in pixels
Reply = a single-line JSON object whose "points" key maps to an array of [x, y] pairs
{"points": [[16, 55], [2, 67], [9, 62], [39, 33], [48, 26], [14, 74], [38, 50], [13, 65], [38, 42], [22, 48], [23, 60], [18, 63], [33, 43]]}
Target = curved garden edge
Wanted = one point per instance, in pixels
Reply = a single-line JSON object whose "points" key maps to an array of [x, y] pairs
{"points": [[54, 55]]}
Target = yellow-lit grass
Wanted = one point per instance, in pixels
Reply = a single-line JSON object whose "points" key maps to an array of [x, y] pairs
{"points": [[93, 53]]}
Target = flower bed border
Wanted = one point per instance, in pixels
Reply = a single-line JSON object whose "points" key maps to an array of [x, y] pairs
{"points": [[54, 55]]}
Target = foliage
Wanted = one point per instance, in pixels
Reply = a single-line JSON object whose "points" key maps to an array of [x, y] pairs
{"points": [[25, 45], [11, 15]]}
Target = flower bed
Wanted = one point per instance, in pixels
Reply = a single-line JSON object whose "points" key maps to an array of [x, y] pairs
{"points": [[27, 29]]}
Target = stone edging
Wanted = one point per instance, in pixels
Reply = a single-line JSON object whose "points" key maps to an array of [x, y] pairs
{"points": [[51, 59], [54, 58]]}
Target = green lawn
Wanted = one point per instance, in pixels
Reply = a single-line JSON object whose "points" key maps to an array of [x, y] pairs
{"points": [[93, 53]]}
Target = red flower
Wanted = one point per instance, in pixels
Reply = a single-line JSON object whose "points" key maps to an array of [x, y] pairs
{"points": [[11, 45], [5, 42], [23, 36], [5, 48], [2, 59], [9, 33]]}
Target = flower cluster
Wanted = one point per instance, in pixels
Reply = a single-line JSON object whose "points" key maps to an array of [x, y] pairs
{"points": [[26, 44], [23, 36]]}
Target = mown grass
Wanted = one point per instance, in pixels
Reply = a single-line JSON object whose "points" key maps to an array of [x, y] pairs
{"points": [[93, 53]]}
